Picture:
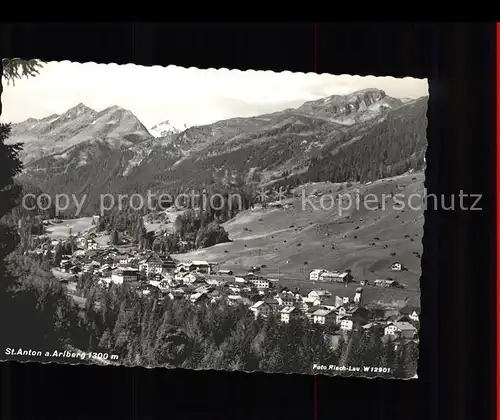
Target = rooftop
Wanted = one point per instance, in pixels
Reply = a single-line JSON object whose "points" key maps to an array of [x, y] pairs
{"points": [[403, 326]]}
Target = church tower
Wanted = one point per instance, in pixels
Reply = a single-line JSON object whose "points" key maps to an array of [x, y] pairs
{"points": [[358, 295]]}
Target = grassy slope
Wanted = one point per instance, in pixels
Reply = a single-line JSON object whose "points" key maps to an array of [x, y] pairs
{"points": [[61, 231], [270, 239]]}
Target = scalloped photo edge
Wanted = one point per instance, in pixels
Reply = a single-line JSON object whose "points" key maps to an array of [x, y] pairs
{"points": [[211, 219]]}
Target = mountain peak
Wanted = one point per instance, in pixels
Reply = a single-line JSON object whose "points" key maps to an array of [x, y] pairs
{"points": [[369, 91], [345, 104], [81, 107], [165, 128], [78, 110]]}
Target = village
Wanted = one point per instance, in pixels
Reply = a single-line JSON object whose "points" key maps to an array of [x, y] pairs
{"points": [[160, 276]]}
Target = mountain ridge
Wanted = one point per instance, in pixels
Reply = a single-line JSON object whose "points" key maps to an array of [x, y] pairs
{"points": [[257, 150], [57, 133]]}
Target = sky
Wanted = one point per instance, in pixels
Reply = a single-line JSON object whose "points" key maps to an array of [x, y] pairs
{"points": [[179, 95]]}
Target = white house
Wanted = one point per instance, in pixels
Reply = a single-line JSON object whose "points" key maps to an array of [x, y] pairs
{"points": [[311, 301], [346, 324], [157, 264], [340, 313], [192, 278], [386, 283], [286, 298], [288, 313], [260, 308], [201, 266], [411, 312], [124, 275], [319, 294], [324, 316], [358, 295], [198, 297], [314, 274], [396, 266], [125, 259], [260, 283], [402, 329]]}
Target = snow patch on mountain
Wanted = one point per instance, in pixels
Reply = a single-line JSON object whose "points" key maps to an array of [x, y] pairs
{"points": [[165, 128]]}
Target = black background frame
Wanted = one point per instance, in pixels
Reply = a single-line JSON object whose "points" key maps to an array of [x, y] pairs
{"points": [[457, 362]]}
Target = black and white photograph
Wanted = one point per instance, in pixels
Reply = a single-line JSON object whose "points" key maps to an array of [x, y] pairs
{"points": [[170, 217]]}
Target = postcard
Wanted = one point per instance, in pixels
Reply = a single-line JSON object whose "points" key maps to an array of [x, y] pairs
{"points": [[220, 219]]}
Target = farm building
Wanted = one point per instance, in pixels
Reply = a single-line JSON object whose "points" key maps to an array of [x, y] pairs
{"points": [[386, 283]]}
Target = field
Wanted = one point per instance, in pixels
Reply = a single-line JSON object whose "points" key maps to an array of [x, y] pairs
{"points": [[293, 241], [61, 230]]}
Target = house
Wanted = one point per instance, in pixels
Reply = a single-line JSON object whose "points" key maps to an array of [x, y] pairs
{"points": [[358, 295], [125, 258], [234, 300], [198, 298], [401, 329], [319, 294], [324, 316], [397, 266], [225, 272], [330, 276], [412, 312], [105, 270], [340, 313], [146, 290], [192, 278], [261, 309], [314, 274], [81, 242], [124, 275], [342, 300], [337, 277], [351, 318], [272, 303], [289, 313], [204, 288], [157, 263], [386, 283], [346, 323], [329, 303], [202, 266], [362, 314], [309, 312], [235, 288], [286, 298], [311, 301], [259, 282]]}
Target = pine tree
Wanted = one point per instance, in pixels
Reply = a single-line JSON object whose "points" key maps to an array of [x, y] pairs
{"points": [[58, 255], [115, 239]]}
